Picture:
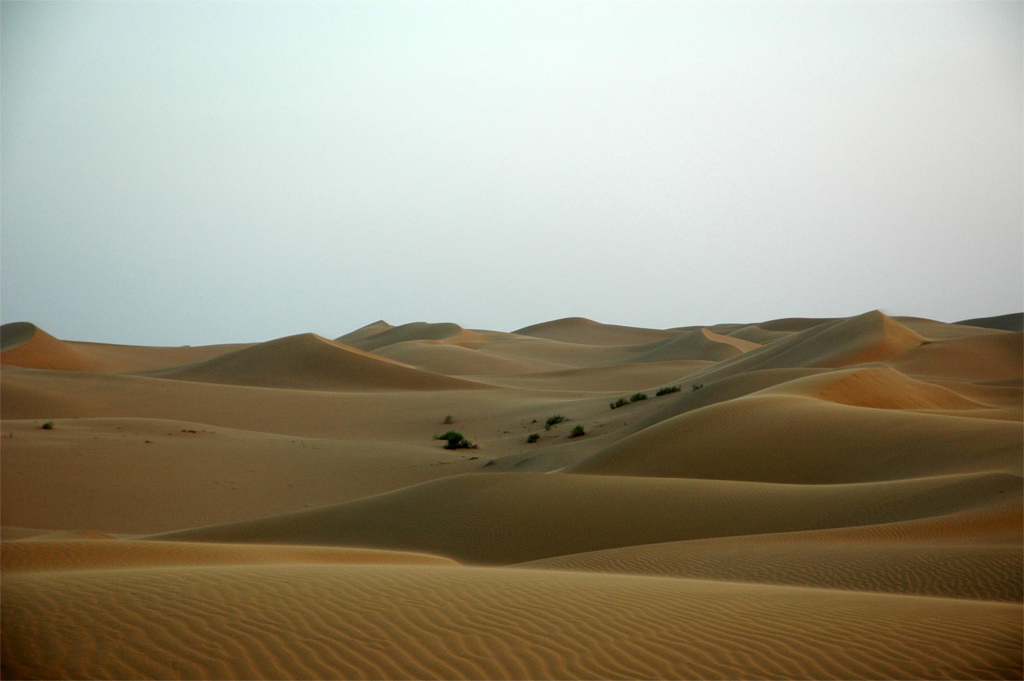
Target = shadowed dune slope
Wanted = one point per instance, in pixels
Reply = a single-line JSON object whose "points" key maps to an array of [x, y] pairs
{"points": [[309, 362], [427, 622], [45, 554], [701, 344], [974, 554], [514, 517], [791, 439], [588, 332], [1006, 322]]}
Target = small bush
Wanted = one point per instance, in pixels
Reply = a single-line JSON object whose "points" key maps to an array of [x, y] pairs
{"points": [[533, 437], [621, 402], [448, 419], [667, 390], [552, 421], [48, 425], [455, 440], [697, 386], [577, 432], [636, 397]]}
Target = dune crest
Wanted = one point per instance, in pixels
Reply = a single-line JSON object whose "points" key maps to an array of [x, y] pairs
{"points": [[310, 362], [26, 345]]}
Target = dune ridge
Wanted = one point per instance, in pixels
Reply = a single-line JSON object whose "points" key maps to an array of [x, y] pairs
{"points": [[310, 362]]}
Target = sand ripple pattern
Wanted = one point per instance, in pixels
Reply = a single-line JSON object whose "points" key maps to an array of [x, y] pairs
{"points": [[457, 622]]}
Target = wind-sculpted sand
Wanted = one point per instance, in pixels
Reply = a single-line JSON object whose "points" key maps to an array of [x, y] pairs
{"points": [[806, 498]]}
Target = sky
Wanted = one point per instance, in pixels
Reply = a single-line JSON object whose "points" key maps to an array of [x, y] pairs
{"points": [[203, 172]]}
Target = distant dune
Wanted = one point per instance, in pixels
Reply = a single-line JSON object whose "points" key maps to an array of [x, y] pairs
{"points": [[309, 362], [800, 498], [1006, 322], [588, 332]]}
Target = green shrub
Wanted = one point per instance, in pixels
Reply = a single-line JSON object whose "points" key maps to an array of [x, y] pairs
{"points": [[48, 425], [667, 390], [697, 386], [577, 432], [455, 440], [621, 402], [552, 421], [448, 419], [533, 437], [636, 397]]}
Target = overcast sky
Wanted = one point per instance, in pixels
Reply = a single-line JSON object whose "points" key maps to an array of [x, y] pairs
{"points": [[198, 172]]}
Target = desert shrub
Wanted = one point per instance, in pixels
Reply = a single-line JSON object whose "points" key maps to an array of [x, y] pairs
{"points": [[553, 420], [455, 440], [636, 397], [48, 425], [533, 437], [697, 386], [448, 419], [666, 390], [577, 432], [621, 402]]}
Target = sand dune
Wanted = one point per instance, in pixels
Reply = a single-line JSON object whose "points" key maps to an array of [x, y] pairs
{"points": [[370, 329], [455, 360], [867, 338], [25, 345], [438, 622], [514, 517], [702, 344], [978, 358], [587, 332], [821, 498], [1006, 322], [309, 362], [756, 334], [944, 556], [416, 331], [790, 439]]}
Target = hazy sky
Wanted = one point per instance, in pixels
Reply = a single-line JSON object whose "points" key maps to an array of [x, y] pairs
{"points": [[199, 172]]}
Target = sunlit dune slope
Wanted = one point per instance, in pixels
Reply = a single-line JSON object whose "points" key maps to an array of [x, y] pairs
{"points": [[425, 622], [974, 554], [309, 362], [26, 345], [514, 517]]}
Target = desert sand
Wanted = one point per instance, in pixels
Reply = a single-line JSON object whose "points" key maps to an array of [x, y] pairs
{"points": [[820, 498]]}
